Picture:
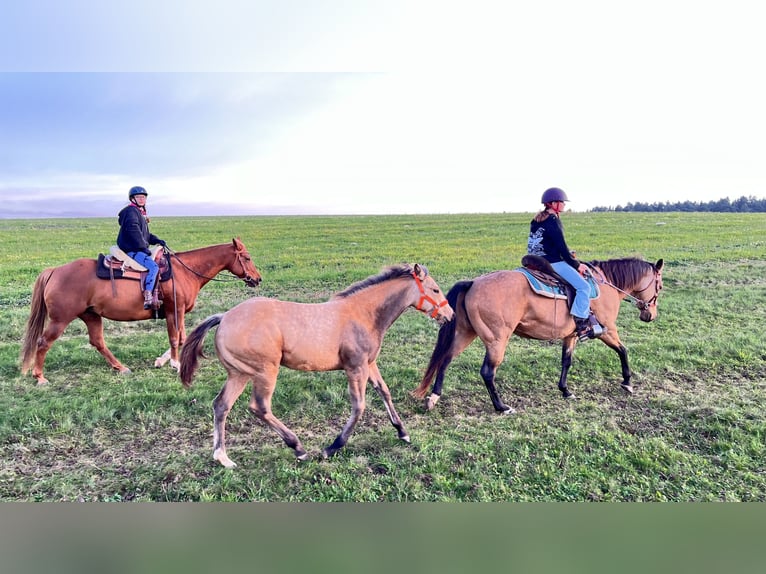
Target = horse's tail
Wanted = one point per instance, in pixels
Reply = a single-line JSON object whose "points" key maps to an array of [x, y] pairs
{"points": [[36, 322], [455, 298], [192, 348]]}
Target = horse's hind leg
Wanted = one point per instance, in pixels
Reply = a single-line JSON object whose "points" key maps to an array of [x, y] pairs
{"points": [[52, 332], [461, 341], [492, 359], [95, 326], [382, 388], [260, 406], [235, 384]]}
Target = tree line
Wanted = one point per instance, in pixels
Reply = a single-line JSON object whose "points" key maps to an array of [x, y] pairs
{"points": [[741, 205]]}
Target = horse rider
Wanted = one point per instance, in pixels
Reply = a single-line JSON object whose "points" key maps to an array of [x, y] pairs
{"points": [[134, 238], [546, 239]]}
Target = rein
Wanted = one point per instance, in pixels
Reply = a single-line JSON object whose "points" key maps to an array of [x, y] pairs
{"points": [[424, 297], [640, 303], [223, 279]]}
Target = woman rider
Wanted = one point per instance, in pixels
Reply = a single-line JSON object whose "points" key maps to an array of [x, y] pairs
{"points": [[546, 239], [134, 238]]}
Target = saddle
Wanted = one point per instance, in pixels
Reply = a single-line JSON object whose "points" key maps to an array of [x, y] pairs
{"points": [[117, 265], [544, 281]]}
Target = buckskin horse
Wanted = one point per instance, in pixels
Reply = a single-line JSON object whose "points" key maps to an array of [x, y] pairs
{"points": [[73, 290], [496, 305], [345, 333]]}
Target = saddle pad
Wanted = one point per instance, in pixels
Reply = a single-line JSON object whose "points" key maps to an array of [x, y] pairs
{"points": [[103, 271], [554, 291]]}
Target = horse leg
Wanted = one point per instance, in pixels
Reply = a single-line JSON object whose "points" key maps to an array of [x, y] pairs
{"points": [[260, 406], [461, 341], [357, 386], [52, 332], [382, 388], [492, 359], [235, 384], [175, 338], [95, 325], [612, 341], [567, 348]]}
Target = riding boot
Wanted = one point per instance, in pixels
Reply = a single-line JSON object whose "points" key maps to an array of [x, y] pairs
{"points": [[583, 329], [148, 299]]}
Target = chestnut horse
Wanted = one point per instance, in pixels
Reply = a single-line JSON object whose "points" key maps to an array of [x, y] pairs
{"points": [[64, 293], [496, 305], [258, 335]]}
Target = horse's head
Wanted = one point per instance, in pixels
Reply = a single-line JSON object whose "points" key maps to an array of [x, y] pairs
{"points": [[648, 306], [432, 294], [244, 268]]}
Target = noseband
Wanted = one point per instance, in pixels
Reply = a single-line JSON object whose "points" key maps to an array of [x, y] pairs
{"points": [[424, 297], [643, 305], [247, 276]]}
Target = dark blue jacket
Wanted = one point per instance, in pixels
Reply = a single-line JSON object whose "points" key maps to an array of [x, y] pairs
{"points": [[134, 233], [546, 239]]}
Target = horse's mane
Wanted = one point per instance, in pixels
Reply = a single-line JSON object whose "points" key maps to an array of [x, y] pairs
{"points": [[393, 272], [624, 273]]}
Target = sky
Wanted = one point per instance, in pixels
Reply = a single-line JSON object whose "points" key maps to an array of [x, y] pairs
{"points": [[331, 107]]}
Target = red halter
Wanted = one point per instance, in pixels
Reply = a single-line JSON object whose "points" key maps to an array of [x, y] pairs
{"points": [[424, 297]]}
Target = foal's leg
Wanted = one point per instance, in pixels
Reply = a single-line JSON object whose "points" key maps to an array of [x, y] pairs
{"points": [[357, 386], [95, 326], [235, 384], [380, 385], [492, 359], [264, 384]]}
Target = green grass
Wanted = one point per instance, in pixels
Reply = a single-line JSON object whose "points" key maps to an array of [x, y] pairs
{"points": [[693, 431]]}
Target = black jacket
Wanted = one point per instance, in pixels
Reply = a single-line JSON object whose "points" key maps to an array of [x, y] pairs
{"points": [[134, 233], [546, 239]]}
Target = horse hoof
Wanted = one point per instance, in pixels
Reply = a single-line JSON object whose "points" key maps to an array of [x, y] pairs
{"points": [[628, 389], [124, 371], [302, 457], [508, 410], [431, 401], [42, 382], [406, 438], [227, 462]]}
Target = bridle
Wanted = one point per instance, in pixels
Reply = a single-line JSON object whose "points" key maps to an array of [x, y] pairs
{"points": [[424, 297], [640, 303], [240, 260]]}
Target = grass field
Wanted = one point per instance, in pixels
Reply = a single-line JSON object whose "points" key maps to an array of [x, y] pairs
{"points": [[693, 431]]}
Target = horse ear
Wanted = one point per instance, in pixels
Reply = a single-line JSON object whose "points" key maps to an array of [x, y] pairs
{"points": [[659, 265], [420, 271], [237, 242]]}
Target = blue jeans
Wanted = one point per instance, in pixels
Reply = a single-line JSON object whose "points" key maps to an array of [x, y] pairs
{"points": [[152, 269], [581, 304]]}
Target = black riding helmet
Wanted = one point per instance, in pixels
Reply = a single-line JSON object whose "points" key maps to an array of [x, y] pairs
{"points": [[137, 190], [554, 194]]}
